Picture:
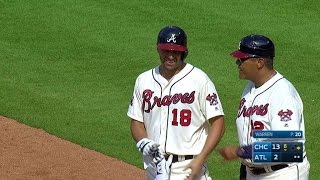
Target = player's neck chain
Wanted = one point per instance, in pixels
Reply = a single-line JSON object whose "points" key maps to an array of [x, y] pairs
{"points": [[272, 75], [266, 80]]}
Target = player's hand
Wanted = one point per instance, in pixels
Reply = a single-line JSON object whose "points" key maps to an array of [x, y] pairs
{"points": [[195, 166], [163, 166], [147, 147], [229, 152]]}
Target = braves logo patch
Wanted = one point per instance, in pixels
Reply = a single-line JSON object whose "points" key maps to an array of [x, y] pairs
{"points": [[285, 115], [213, 99]]}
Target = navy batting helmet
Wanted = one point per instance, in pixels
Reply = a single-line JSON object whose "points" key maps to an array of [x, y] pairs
{"points": [[173, 38], [254, 46]]}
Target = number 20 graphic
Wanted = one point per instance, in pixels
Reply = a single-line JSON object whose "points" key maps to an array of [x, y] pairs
{"points": [[184, 116]]}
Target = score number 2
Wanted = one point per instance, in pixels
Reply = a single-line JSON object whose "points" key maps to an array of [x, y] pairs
{"points": [[184, 117]]}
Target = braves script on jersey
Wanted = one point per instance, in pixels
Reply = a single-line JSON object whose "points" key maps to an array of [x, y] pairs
{"points": [[275, 105], [175, 112]]}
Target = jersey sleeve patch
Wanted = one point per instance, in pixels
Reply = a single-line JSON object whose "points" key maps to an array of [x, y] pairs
{"points": [[285, 115], [213, 99]]}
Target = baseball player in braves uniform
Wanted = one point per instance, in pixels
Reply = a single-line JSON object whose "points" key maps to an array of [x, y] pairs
{"points": [[268, 102], [175, 110]]}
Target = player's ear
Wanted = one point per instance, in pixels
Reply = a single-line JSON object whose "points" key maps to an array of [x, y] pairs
{"points": [[184, 54], [261, 63]]}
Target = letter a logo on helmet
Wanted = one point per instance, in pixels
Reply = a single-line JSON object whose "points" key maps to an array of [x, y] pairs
{"points": [[172, 38]]}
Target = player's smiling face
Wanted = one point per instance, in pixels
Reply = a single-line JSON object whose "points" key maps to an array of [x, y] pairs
{"points": [[171, 60]]}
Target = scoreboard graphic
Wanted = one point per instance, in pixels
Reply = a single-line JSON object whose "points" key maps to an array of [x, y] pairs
{"points": [[277, 146]]}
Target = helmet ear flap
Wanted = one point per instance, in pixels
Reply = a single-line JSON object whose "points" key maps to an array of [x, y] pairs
{"points": [[184, 54]]}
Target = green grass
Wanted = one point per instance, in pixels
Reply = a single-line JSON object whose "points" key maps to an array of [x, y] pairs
{"points": [[69, 67]]}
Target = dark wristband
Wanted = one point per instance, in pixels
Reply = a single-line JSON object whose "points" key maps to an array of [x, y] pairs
{"points": [[245, 152]]}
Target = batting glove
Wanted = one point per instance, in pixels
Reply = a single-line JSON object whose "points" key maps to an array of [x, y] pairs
{"points": [[147, 147], [163, 166]]}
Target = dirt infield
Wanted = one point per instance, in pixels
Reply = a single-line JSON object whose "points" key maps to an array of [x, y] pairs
{"points": [[30, 153]]}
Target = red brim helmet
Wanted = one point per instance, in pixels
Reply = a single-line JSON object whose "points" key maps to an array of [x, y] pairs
{"points": [[254, 46]]}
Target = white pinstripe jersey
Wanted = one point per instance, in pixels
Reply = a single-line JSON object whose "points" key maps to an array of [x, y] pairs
{"points": [[276, 105], [176, 112]]}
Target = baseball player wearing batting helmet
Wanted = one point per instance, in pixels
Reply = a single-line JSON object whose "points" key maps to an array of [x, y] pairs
{"points": [[175, 110], [268, 102]]}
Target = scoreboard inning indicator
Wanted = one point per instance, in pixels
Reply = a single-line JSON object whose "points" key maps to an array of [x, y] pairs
{"points": [[277, 146]]}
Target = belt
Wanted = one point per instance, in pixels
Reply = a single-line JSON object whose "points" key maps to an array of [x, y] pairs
{"points": [[178, 158], [257, 171]]}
